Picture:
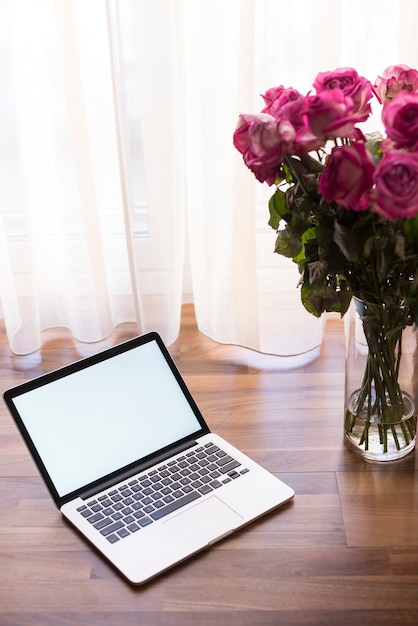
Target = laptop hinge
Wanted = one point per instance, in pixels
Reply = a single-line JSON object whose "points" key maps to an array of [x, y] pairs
{"points": [[141, 467]]}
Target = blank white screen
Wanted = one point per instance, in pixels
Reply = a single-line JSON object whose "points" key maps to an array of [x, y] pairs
{"points": [[95, 421]]}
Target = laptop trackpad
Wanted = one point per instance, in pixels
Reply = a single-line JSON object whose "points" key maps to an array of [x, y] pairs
{"points": [[204, 522]]}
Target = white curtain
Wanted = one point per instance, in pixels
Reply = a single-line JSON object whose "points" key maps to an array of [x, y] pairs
{"points": [[121, 195]]}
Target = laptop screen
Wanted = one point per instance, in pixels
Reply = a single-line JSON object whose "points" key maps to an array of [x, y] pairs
{"points": [[98, 419]]}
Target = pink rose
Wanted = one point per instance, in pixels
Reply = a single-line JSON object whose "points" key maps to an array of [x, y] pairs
{"points": [[289, 104], [285, 103], [400, 117], [396, 192], [352, 85], [264, 142], [348, 176], [329, 115], [307, 141], [395, 78]]}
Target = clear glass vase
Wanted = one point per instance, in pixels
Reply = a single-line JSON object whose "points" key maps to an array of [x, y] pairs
{"points": [[381, 382]]}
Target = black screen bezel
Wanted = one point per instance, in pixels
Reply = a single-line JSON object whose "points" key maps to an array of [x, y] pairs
{"points": [[123, 472]]}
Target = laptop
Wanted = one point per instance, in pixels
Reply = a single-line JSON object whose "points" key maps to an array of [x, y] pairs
{"points": [[131, 463]]}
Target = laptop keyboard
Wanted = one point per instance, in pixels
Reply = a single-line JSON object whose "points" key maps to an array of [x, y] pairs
{"points": [[143, 500]]}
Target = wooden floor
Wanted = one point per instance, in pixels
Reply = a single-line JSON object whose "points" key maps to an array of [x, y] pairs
{"points": [[345, 551]]}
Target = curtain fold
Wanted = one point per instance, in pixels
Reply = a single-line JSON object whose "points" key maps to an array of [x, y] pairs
{"points": [[243, 293], [121, 195]]}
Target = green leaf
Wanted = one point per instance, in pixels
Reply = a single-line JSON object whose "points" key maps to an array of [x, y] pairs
{"points": [[317, 271], [287, 173], [370, 247], [287, 244], [277, 208], [317, 300], [345, 296], [305, 237], [305, 292], [324, 235], [347, 241], [411, 231]]}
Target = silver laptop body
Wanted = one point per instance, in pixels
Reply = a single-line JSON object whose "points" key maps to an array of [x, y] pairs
{"points": [[131, 463]]}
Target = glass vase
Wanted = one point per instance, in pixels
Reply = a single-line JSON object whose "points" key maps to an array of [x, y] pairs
{"points": [[380, 382]]}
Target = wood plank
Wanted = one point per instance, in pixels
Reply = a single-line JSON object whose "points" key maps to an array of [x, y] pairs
{"points": [[380, 508]]}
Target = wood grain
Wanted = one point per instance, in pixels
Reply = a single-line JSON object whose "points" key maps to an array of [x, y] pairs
{"points": [[345, 551]]}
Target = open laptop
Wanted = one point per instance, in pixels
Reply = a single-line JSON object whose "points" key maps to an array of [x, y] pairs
{"points": [[130, 461]]}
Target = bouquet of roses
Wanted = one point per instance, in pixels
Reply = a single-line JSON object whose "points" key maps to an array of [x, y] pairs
{"points": [[345, 209], [345, 206]]}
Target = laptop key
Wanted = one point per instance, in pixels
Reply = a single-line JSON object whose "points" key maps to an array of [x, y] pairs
{"points": [[225, 459], [112, 528], [205, 489], [230, 466], [134, 527], [173, 506], [127, 510], [107, 511], [103, 522], [95, 518]]}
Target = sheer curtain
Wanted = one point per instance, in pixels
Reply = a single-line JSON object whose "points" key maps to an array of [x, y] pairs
{"points": [[121, 195]]}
